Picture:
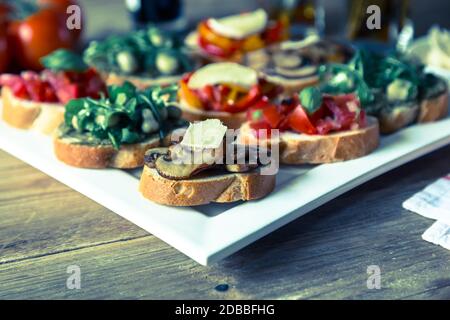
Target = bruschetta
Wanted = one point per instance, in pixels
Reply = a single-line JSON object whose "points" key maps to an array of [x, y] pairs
{"points": [[223, 91], [294, 65], [36, 100], [145, 58], [190, 174], [229, 38], [313, 128], [115, 131], [396, 90]]}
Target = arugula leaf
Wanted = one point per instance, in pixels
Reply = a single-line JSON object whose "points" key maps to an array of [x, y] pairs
{"points": [[72, 109], [126, 91], [119, 118], [136, 53], [310, 99], [64, 60]]}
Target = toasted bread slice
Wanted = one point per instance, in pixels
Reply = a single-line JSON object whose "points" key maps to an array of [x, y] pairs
{"points": [[231, 120], [393, 119], [103, 156], [204, 189], [141, 83], [433, 109], [25, 114], [315, 149]]}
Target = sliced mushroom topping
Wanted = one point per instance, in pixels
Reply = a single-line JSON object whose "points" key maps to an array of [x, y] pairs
{"points": [[153, 154], [287, 60], [169, 165], [177, 171], [301, 72], [240, 167]]}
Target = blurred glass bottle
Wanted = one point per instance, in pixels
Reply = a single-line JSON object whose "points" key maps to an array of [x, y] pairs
{"points": [[166, 14], [305, 17], [394, 17]]}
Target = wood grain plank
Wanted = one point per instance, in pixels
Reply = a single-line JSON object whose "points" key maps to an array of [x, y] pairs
{"points": [[322, 255], [42, 216]]}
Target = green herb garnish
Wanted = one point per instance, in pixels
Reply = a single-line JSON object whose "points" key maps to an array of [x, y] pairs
{"points": [[310, 99], [125, 116], [149, 52], [64, 60]]}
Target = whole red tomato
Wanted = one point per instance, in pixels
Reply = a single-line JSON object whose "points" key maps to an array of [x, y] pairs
{"points": [[61, 6], [38, 35]]}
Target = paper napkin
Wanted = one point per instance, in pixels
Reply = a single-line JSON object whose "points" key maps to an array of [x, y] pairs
{"points": [[434, 202]]}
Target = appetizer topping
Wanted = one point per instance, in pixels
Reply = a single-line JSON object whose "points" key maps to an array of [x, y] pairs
{"points": [[167, 164], [433, 49], [224, 72], [375, 78], [229, 36], [150, 52], [401, 90], [173, 170], [311, 112], [207, 134], [126, 116], [241, 25], [66, 78], [64, 60], [195, 153], [431, 86], [297, 60], [225, 87]]}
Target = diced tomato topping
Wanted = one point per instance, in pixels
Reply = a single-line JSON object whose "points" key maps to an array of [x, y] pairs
{"points": [[226, 97], [337, 113], [49, 86], [300, 122]]}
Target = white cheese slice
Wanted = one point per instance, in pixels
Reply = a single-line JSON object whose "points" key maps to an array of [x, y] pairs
{"points": [[206, 134], [241, 25], [223, 72]]}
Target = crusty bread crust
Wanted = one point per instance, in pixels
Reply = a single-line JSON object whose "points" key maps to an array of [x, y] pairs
{"points": [[141, 83], [398, 118], [231, 120], [227, 187], [433, 109], [315, 149], [25, 114], [96, 157]]}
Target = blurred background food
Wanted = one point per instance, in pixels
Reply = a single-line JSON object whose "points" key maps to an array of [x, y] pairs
{"points": [[30, 29], [423, 13]]}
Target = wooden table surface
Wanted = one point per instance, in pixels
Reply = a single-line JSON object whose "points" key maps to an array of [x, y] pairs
{"points": [[45, 227]]}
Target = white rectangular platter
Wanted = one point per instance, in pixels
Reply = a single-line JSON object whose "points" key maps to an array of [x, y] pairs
{"points": [[212, 232]]}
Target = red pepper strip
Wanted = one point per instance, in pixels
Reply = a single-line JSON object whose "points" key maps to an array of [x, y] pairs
{"points": [[244, 103], [215, 50]]}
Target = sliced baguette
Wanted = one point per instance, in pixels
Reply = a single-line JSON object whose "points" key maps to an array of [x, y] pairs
{"points": [[25, 114], [228, 187], [231, 120], [103, 156], [141, 83], [433, 109], [398, 117], [315, 149]]}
